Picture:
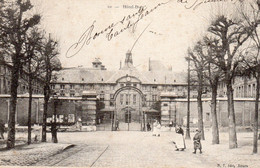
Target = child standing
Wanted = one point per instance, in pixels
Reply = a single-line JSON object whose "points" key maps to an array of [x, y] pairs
{"points": [[196, 141]]}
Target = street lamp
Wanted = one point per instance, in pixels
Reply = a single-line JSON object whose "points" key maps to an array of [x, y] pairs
{"points": [[54, 123]]}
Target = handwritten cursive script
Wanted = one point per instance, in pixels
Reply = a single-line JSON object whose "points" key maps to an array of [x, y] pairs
{"points": [[194, 4], [112, 30]]}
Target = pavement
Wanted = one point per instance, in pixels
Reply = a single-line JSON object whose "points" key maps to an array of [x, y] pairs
{"points": [[131, 149], [28, 155]]}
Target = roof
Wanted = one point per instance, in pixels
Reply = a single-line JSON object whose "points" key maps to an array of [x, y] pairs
{"points": [[86, 75], [156, 65]]}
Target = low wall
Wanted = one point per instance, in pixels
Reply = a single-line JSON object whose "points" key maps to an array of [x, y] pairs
{"points": [[71, 109]]}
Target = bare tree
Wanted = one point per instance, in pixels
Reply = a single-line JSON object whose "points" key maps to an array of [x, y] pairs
{"points": [[213, 75], [251, 55], [231, 35], [33, 62], [51, 63], [199, 63], [14, 25]]}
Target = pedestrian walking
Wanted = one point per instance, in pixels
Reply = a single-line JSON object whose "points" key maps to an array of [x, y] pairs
{"points": [[196, 141], [2, 129], [179, 139], [156, 128], [148, 127], [117, 124]]}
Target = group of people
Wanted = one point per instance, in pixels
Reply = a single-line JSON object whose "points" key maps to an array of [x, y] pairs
{"points": [[179, 140]]}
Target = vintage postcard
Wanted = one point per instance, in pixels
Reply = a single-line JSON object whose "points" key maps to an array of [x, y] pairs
{"points": [[129, 83]]}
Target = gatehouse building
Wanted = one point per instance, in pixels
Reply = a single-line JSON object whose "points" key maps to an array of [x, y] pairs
{"points": [[129, 95]]}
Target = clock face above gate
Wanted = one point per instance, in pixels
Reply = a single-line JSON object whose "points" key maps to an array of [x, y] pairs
{"points": [[128, 79]]}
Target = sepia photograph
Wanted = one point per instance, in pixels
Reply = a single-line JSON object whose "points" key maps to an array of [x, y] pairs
{"points": [[130, 83]]}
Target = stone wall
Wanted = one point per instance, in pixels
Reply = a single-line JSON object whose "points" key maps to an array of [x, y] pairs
{"points": [[244, 109]]}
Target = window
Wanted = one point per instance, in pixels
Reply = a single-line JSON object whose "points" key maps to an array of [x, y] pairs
{"points": [[112, 87], [111, 102], [62, 86], [82, 87], [127, 99], [52, 86], [134, 99], [72, 94], [154, 98], [102, 97], [121, 98], [145, 99], [91, 86], [121, 85], [62, 79], [207, 116], [254, 90], [154, 88], [71, 86], [134, 84], [249, 93], [62, 94]]}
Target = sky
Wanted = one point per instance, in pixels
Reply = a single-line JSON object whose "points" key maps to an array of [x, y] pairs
{"points": [[168, 30]]}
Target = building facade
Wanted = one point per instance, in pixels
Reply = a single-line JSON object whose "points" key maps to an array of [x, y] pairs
{"points": [[126, 94], [5, 81]]}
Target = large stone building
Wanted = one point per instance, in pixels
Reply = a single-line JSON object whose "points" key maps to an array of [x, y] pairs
{"points": [[127, 94], [5, 81]]}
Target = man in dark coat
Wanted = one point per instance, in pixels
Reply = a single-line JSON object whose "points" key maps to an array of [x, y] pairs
{"points": [[196, 141], [148, 127]]}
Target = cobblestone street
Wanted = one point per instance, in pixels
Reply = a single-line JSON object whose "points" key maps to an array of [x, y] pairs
{"points": [[132, 149]]}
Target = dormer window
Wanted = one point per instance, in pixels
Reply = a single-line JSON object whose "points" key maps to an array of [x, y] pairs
{"points": [[62, 79], [82, 79]]}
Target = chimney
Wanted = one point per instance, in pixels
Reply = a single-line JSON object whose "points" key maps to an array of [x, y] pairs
{"points": [[120, 64]]}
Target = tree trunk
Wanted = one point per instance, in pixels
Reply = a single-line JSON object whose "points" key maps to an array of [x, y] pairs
{"points": [[215, 132], [200, 112], [231, 116], [256, 114], [30, 105], [45, 108], [13, 100], [188, 105]]}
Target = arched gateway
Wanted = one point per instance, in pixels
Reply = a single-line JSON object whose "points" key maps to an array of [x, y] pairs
{"points": [[128, 109]]}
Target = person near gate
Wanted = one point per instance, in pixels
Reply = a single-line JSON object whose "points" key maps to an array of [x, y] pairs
{"points": [[156, 128], [148, 126]]}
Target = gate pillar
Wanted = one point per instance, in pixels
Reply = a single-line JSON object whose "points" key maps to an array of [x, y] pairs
{"points": [[89, 107], [168, 111]]}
